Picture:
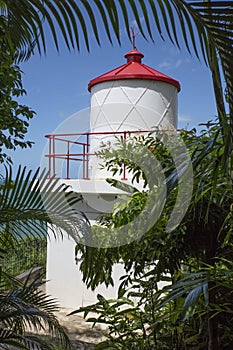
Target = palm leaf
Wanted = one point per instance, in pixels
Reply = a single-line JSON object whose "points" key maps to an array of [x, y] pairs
{"points": [[192, 285], [31, 201], [23, 309], [26, 19], [112, 12]]}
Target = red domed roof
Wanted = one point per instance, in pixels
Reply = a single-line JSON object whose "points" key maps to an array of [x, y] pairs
{"points": [[134, 69]]}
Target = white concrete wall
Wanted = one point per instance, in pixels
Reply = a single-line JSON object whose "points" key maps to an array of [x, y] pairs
{"points": [[64, 280]]}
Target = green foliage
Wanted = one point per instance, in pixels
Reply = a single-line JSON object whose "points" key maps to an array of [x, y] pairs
{"points": [[125, 324], [137, 322], [195, 258], [14, 117]]}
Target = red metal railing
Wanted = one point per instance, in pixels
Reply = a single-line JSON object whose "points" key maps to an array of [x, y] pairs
{"points": [[83, 153]]}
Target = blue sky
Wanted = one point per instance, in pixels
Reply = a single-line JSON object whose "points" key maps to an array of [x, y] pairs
{"points": [[56, 85]]}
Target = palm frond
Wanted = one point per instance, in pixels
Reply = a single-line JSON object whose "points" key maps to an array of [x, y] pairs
{"points": [[30, 202], [191, 286], [26, 19], [25, 313]]}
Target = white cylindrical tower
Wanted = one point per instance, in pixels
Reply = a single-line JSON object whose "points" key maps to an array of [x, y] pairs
{"points": [[131, 97]]}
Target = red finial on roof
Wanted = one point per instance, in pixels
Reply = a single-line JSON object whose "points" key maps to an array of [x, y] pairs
{"points": [[134, 55]]}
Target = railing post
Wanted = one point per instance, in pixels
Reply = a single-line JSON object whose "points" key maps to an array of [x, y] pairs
{"points": [[124, 166], [68, 161], [87, 157], [53, 155], [49, 172], [84, 160]]}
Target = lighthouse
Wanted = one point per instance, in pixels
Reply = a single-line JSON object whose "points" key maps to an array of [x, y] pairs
{"points": [[130, 99]]}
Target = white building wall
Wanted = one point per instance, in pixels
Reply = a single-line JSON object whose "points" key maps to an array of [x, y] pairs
{"points": [[64, 279]]}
